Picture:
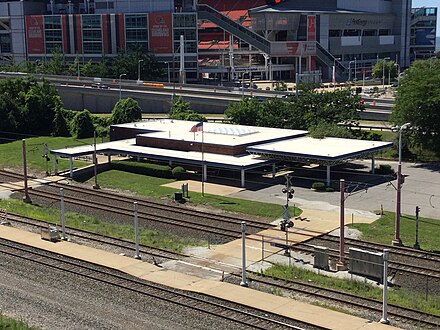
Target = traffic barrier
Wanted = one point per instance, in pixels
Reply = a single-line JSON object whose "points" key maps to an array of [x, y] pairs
{"points": [[153, 85]]}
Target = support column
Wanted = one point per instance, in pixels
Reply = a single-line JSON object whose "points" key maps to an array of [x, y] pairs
{"points": [[274, 170], [170, 163], [243, 182], [109, 158], [71, 166], [138, 158], [55, 170], [372, 164], [328, 175], [205, 172]]}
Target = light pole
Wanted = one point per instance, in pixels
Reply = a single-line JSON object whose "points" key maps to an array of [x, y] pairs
{"points": [[139, 69], [383, 71], [168, 67], [37, 63], [355, 69], [397, 240], [120, 87], [349, 70]]}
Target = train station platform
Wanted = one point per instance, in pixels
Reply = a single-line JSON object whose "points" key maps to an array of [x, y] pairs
{"points": [[247, 296]]}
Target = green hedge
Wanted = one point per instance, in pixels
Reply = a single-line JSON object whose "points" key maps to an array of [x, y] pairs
{"points": [[159, 171]]}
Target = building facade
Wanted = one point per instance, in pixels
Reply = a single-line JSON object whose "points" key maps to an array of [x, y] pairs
{"points": [[225, 40]]}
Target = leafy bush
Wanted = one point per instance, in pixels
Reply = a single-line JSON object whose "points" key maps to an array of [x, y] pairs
{"points": [[179, 172], [60, 124], [126, 111], [144, 169], [329, 189], [82, 125], [384, 169], [319, 186]]}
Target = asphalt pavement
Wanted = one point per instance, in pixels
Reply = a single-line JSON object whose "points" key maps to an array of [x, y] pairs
{"points": [[367, 192]]}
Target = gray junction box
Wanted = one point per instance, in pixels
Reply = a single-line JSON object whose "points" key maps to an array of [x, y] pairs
{"points": [[366, 263], [321, 258]]}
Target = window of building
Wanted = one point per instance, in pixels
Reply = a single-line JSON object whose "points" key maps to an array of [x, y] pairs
{"points": [[369, 33], [5, 43], [92, 34], [53, 34], [136, 31], [104, 5], [334, 33], [384, 32], [352, 33]]}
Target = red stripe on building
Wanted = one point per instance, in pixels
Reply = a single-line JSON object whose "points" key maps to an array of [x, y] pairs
{"points": [[65, 34], [105, 32], [121, 32], [78, 40]]}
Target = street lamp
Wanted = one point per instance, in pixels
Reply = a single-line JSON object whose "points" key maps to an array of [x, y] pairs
{"points": [[139, 69], [349, 70], [383, 71], [168, 66], [120, 87], [397, 240], [37, 63]]}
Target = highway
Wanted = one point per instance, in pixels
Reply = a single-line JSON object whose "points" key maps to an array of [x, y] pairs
{"points": [[77, 93]]}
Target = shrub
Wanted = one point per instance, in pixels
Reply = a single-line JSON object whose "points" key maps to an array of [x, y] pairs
{"points": [[143, 169], [319, 186], [384, 169], [82, 125], [329, 189], [179, 172]]}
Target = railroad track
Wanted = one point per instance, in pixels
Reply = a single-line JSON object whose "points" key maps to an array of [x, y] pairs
{"points": [[211, 223], [401, 259], [235, 220], [397, 314], [95, 238], [239, 314]]}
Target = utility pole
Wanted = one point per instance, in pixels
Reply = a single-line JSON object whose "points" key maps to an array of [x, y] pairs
{"points": [[26, 198], [341, 262]]}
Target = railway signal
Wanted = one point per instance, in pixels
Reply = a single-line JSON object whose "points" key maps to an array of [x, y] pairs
{"points": [[286, 223]]}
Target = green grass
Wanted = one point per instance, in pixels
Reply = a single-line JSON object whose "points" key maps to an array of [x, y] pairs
{"points": [[151, 186], [382, 231], [396, 296], [75, 220], [11, 324], [11, 153]]}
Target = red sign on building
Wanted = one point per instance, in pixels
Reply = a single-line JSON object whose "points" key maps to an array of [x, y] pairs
{"points": [[160, 27], [311, 28], [35, 34]]}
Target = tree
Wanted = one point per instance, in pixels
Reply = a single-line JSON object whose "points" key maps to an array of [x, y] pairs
{"points": [[244, 112], [59, 124], [324, 129], [181, 110], [418, 102], [82, 125], [128, 63], [56, 65], [126, 111], [389, 67]]}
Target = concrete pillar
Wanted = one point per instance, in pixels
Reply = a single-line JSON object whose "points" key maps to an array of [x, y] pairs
{"points": [[170, 163], [71, 166], [109, 158], [328, 175], [274, 170], [205, 172], [243, 183], [55, 170], [372, 164], [138, 158]]}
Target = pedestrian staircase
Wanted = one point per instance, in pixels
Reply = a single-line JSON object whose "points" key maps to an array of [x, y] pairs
{"points": [[208, 13]]}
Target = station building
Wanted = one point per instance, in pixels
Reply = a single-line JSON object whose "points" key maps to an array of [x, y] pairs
{"points": [[225, 40], [235, 148]]}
